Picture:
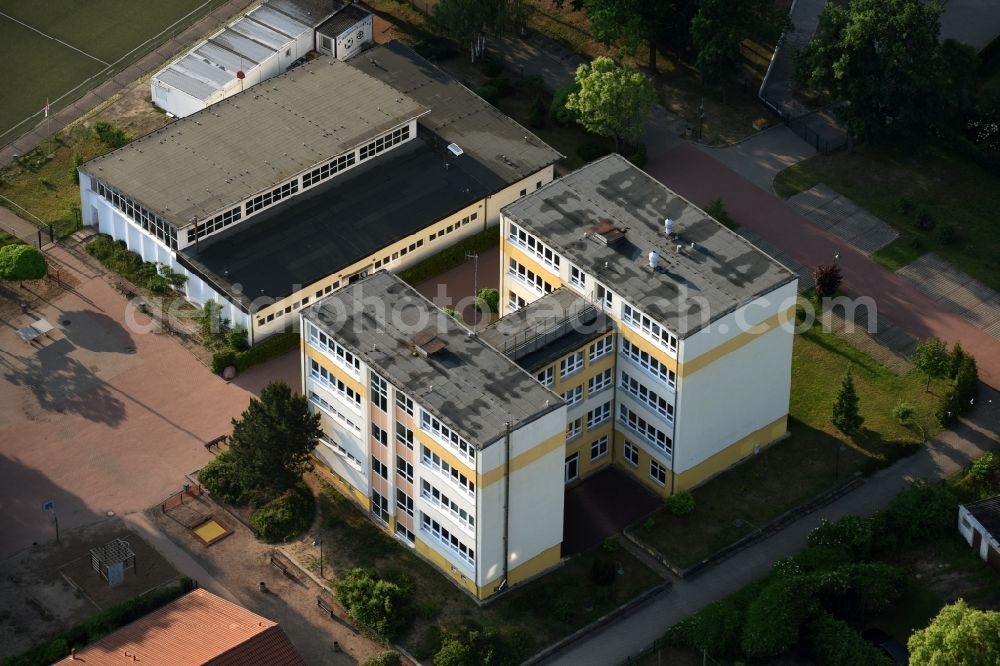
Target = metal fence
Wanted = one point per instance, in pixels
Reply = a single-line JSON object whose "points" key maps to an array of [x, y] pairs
{"points": [[40, 236], [831, 140]]}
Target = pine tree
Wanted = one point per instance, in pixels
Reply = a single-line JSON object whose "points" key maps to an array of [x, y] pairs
{"points": [[845, 409]]}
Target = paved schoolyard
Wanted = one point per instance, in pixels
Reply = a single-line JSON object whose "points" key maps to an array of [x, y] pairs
{"points": [[101, 418], [830, 210], [955, 290]]}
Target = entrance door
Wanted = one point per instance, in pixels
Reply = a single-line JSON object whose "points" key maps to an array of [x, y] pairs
{"points": [[977, 541], [572, 467]]}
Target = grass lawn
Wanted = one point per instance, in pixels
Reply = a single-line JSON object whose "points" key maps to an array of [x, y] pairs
{"points": [[746, 497], [547, 609], [954, 191]]}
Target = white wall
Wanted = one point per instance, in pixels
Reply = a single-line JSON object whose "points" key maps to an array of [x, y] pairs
{"points": [[536, 499], [967, 525], [350, 36]]}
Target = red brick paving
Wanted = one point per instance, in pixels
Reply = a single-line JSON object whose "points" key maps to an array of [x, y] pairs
{"points": [[700, 178]]}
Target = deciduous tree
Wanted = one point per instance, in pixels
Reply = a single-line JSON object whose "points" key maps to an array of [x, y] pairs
{"points": [[931, 358], [827, 278], [720, 26], [957, 636], [613, 100], [468, 22], [22, 262], [630, 22]]}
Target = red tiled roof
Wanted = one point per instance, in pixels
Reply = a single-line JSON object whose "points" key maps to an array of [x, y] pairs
{"points": [[197, 629]]}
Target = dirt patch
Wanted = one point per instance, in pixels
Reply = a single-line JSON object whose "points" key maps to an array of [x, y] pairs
{"points": [[134, 111]]}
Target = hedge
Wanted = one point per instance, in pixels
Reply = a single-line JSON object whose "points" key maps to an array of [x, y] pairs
{"points": [[451, 256], [286, 516], [99, 625], [276, 345]]}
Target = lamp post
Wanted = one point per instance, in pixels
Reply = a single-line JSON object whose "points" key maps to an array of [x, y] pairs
{"points": [[475, 287], [319, 542]]}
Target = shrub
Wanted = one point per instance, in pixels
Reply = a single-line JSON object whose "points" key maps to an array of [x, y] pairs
{"points": [[384, 658], [558, 112], [853, 533], [211, 324], [680, 504], [966, 384], [611, 545], [947, 409], [591, 149], [922, 512], [827, 278], [488, 300], [451, 256], [452, 312], [773, 619], [813, 558], [491, 67], [376, 604], [428, 643], [837, 644], [490, 93], [923, 219], [113, 136], [638, 156], [983, 468], [858, 591], [534, 84], [453, 652], [435, 48], [538, 114], [714, 629], [955, 358], [903, 412], [906, 207], [237, 339], [649, 524], [502, 84], [22, 262], [276, 345], [56, 650], [946, 234], [603, 572], [222, 360], [74, 175], [717, 209], [219, 476], [286, 516]]}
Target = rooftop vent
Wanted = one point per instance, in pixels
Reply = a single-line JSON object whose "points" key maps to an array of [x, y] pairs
{"points": [[654, 260], [607, 233], [426, 343], [455, 149], [668, 226]]}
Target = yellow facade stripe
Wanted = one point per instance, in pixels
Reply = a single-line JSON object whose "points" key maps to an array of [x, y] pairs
{"points": [[524, 459], [731, 345], [334, 369], [449, 569], [544, 561], [731, 455], [646, 345], [462, 465]]}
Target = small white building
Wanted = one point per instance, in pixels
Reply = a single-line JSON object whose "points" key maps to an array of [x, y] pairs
{"points": [[979, 523], [262, 43], [345, 33]]}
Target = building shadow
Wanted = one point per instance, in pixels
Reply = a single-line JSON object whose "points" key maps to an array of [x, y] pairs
{"points": [[602, 505], [61, 384], [286, 368]]}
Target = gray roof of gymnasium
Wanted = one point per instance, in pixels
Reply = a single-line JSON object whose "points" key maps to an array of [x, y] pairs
{"points": [[471, 387], [723, 272], [459, 115], [254, 140], [345, 19], [310, 12]]}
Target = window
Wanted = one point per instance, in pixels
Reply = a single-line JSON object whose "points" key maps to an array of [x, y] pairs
{"points": [[404, 502], [545, 377], [380, 507], [647, 396], [528, 277], [572, 467], [435, 462], [404, 435], [379, 435], [153, 224], [272, 197], [599, 449], [604, 296], [599, 382], [658, 472], [318, 400], [404, 403], [577, 278], [379, 468], [344, 358], [404, 469], [341, 451], [405, 533], [523, 192], [601, 348], [574, 428], [570, 364], [653, 435], [526, 241], [442, 501], [650, 364], [573, 396], [598, 415], [324, 171], [334, 383], [325, 43], [216, 223], [446, 538], [631, 453], [433, 426], [380, 393], [643, 323], [385, 142], [514, 302]]}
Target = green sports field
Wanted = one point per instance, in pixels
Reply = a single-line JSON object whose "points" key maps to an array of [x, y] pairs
{"points": [[60, 49]]}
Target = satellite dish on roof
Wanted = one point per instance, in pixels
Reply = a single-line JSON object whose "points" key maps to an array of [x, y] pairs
{"points": [[241, 75]]}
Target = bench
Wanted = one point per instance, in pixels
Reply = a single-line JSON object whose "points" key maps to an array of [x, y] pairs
{"points": [[279, 566], [325, 606]]}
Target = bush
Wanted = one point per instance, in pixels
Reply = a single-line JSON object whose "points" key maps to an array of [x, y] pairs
{"points": [[923, 219], [453, 652], [538, 113], [922, 512], [591, 149], [717, 209], [22, 262], [966, 384], [603, 572], [773, 619], [502, 84], [435, 48], [219, 476], [852, 533], [982, 469], [558, 112], [714, 629], [276, 345], [946, 234], [378, 605], [680, 504], [859, 591], [491, 67], [490, 93], [286, 516], [56, 650], [238, 339], [955, 358], [534, 84], [837, 644], [611, 545], [906, 207], [451, 256], [113, 136], [428, 643], [638, 156], [222, 360], [903, 412], [488, 300], [947, 409], [452, 312], [384, 658]]}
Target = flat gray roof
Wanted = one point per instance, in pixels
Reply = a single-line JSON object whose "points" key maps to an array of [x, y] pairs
{"points": [[344, 20], [470, 386], [690, 288], [459, 115], [254, 140], [310, 12]]}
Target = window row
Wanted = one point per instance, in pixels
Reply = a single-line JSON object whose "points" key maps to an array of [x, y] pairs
{"points": [[644, 323], [454, 226], [599, 382], [279, 313], [599, 449], [402, 252], [404, 502], [652, 365], [274, 196], [379, 435], [404, 435], [570, 364], [334, 383], [528, 277], [146, 219], [442, 501], [380, 507], [341, 451], [333, 167], [384, 143], [574, 428], [404, 402], [515, 302], [338, 415], [651, 433], [540, 250], [647, 396], [404, 469], [380, 469], [546, 377], [598, 415], [318, 338], [602, 347], [217, 223], [433, 426], [434, 461], [447, 539]]}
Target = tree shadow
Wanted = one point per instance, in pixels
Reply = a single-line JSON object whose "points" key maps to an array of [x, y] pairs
{"points": [[95, 331], [61, 384]]}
